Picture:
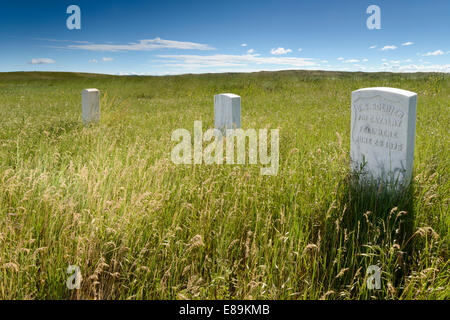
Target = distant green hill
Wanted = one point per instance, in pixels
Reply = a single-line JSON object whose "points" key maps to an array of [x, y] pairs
{"points": [[38, 75], [43, 75]]}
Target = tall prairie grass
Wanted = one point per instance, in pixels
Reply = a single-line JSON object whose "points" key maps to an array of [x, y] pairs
{"points": [[108, 198]]}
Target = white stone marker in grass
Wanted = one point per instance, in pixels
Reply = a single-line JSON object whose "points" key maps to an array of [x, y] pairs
{"points": [[227, 111], [90, 101], [383, 128]]}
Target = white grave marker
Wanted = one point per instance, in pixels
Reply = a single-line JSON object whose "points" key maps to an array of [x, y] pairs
{"points": [[90, 101], [383, 128], [227, 111]]}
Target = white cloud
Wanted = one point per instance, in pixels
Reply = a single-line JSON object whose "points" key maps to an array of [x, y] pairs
{"points": [[93, 61], [280, 50], [340, 58], [324, 61], [224, 60], [372, 47], [58, 40], [409, 43], [401, 66], [392, 47], [106, 59], [143, 45], [250, 51], [427, 68], [300, 49], [243, 45], [41, 61], [351, 61], [365, 60], [434, 53]]}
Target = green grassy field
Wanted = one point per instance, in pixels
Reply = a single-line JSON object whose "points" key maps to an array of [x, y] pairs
{"points": [[109, 199]]}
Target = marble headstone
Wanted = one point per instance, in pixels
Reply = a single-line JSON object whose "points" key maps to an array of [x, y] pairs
{"points": [[383, 127], [227, 111], [90, 101]]}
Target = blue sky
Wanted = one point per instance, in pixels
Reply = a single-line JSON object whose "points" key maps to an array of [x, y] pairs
{"points": [[175, 37]]}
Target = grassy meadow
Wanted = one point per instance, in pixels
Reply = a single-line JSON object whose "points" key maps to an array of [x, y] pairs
{"points": [[108, 198]]}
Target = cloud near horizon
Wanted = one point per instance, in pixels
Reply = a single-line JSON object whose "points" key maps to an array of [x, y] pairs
{"points": [[385, 48], [142, 45], [280, 51], [42, 61], [351, 61], [229, 60], [434, 53]]}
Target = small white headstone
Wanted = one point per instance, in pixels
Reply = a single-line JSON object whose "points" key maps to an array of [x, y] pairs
{"points": [[227, 111], [90, 101], [383, 127]]}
